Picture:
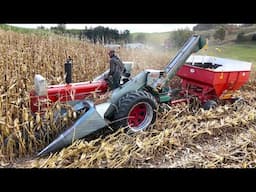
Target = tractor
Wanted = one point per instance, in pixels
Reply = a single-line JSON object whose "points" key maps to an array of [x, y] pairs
{"points": [[135, 103]]}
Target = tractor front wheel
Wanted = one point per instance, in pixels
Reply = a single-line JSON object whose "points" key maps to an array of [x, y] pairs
{"points": [[136, 110]]}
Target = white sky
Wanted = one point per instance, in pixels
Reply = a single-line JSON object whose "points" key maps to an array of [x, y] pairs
{"points": [[146, 28]]}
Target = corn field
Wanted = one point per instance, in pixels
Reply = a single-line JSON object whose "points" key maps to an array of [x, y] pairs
{"points": [[222, 137]]}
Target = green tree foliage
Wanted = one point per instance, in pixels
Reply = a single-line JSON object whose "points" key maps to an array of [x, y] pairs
{"points": [[179, 37], [98, 34], [220, 34], [106, 35], [60, 29], [125, 36], [41, 27]]}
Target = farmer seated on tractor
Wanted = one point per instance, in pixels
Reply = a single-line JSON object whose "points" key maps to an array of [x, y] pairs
{"points": [[116, 70]]}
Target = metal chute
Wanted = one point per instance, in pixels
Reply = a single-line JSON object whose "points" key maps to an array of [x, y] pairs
{"points": [[88, 123]]}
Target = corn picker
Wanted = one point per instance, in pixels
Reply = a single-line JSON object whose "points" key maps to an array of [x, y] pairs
{"points": [[134, 104]]}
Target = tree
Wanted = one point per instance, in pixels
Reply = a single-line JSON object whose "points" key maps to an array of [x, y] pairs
{"points": [[220, 34], [61, 27], [179, 37], [125, 36], [41, 27]]}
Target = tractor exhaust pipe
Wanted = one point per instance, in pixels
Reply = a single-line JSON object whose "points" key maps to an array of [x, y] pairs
{"points": [[68, 70]]}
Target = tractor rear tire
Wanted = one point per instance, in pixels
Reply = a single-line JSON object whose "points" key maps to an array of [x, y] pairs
{"points": [[135, 111], [210, 104]]}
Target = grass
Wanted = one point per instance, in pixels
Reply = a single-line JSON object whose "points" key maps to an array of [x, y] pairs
{"points": [[239, 51], [24, 30]]}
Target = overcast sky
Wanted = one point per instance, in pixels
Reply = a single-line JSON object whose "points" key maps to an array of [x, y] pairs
{"points": [[146, 28]]}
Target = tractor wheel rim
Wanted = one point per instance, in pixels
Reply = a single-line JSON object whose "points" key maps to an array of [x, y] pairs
{"points": [[140, 116]]}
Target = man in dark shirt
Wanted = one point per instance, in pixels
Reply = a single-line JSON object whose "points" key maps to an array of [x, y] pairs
{"points": [[116, 70]]}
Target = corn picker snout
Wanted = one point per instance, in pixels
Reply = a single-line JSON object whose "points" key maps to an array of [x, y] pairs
{"points": [[135, 103]]}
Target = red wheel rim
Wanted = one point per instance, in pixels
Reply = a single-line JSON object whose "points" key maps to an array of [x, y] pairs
{"points": [[137, 115]]}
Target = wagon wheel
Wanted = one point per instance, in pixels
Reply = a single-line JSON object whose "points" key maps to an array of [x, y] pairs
{"points": [[136, 111], [210, 104]]}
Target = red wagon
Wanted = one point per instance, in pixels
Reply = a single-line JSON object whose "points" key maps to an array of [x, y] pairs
{"points": [[211, 78]]}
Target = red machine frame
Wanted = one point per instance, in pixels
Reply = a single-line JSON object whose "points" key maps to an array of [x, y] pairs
{"points": [[66, 92]]}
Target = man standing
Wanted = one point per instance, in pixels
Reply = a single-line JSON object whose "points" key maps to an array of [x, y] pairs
{"points": [[116, 70]]}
